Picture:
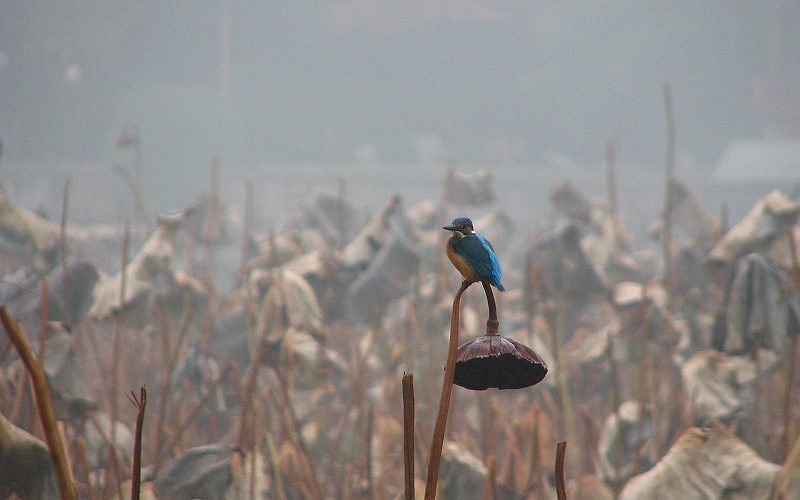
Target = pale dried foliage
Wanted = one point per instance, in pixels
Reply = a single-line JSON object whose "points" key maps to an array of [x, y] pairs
{"points": [[290, 385]]}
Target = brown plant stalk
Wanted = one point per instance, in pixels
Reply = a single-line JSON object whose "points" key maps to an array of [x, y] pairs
{"points": [[642, 393], [169, 360], [66, 485], [136, 476], [490, 486], [788, 427], [408, 434], [83, 461], [440, 426], [294, 425], [561, 484], [534, 473], [193, 413], [43, 318]]}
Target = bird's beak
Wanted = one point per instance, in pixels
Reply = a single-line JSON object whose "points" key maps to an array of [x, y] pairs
{"points": [[449, 228]]}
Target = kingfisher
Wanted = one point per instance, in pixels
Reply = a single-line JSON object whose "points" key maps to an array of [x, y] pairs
{"points": [[472, 254]]}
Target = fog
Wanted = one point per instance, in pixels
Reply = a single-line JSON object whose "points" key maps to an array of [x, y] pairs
{"points": [[296, 95], [303, 157]]}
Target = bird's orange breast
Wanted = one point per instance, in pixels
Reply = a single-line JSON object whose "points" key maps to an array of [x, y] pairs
{"points": [[460, 262]]}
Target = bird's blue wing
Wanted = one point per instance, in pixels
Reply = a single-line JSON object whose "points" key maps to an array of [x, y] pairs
{"points": [[496, 273], [481, 256]]}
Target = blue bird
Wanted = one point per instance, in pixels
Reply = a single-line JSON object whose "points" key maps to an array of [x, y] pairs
{"points": [[472, 255]]}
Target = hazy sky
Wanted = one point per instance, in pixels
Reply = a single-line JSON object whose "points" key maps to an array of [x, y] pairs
{"points": [[394, 81]]}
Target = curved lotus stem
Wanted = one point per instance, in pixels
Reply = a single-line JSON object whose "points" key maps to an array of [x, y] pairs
{"points": [[444, 401]]}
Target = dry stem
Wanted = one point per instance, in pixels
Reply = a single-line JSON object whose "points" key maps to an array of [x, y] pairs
{"points": [[439, 428], [408, 434], [66, 485], [136, 477], [561, 485]]}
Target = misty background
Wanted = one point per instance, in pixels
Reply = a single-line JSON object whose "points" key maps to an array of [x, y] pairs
{"points": [[382, 94]]}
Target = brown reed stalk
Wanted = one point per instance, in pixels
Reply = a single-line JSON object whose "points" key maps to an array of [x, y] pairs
{"points": [[434, 461], [338, 435], [104, 387], [535, 471], [247, 229], [368, 451], [182, 396], [784, 485], [490, 486], [357, 377], [679, 404], [642, 392], [256, 439], [295, 426], [95, 356], [276, 467], [193, 413], [559, 342], [16, 407], [421, 448], [616, 401], [170, 355], [759, 394], [66, 485], [408, 435], [795, 261], [656, 402], [169, 359], [43, 318], [80, 452], [136, 477], [306, 488], [383, 445], [108, 444], [788, 427], [500, 417], [486, 417], [113, 461], [561, 484], [62, 433], [166, 389], [249, 391], [45, 300]]}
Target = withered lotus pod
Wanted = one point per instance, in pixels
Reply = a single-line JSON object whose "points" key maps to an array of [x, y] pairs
{"points": [[494, 361]]}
